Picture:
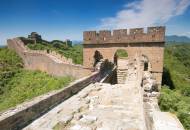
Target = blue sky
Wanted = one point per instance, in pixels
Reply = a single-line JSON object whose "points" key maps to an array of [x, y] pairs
{"points": [[62, 19]]}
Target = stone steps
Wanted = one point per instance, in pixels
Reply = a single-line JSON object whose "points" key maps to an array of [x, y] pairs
{"points": [[121, 75]]}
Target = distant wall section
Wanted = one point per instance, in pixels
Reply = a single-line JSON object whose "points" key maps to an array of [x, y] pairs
{"points": [[39, 60]]}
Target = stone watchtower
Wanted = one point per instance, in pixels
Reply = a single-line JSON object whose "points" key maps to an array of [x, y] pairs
{"points": [[35, 36], [135, 42]]}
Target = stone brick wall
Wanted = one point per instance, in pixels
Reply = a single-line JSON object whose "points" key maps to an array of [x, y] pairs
{"points": [[26, 112], [154, 34], [136, 43], [50, 63]]}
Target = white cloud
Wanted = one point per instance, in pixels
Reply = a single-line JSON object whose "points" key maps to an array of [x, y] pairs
{"points": [[146, 13], [186, 34]]}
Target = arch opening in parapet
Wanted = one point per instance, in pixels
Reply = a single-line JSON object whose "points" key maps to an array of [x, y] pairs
{"points": [[146, 63], [97, 57], [145, 66], [120, 53]]}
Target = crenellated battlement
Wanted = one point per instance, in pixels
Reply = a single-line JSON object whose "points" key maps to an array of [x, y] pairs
{"points": [[134, 35]]}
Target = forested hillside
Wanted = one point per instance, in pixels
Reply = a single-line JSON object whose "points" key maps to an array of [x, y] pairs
{"points": [[18, 85], [178, 39], [175, 93]]}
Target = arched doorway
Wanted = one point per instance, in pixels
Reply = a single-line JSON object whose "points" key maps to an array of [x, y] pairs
{"points": [[146, 63], [97, 57], [145, 66], [120, 53]]}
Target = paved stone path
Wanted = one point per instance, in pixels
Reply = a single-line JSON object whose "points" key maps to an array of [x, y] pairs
{"points": [[99, 106]]}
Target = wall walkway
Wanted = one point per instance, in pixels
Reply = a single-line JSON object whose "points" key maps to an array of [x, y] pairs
{"points": [[103, 106]]}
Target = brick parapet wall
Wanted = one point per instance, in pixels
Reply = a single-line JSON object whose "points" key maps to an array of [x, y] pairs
{"points": [[135, 35], [23, 114]]}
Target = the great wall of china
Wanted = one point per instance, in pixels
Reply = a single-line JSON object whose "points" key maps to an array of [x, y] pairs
{"points": [[51, 62], [130, 104], [136, 43]]}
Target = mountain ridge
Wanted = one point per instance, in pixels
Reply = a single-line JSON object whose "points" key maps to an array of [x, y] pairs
{"points": [[176, 38], [168, 38]]}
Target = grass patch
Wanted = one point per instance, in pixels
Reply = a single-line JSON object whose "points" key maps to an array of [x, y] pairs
{"points": [[28, 84], [19, 85], [10, 64]]}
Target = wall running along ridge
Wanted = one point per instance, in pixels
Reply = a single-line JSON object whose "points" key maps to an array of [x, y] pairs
{"points": [[136, 43], [43, 61], [25, 113]]}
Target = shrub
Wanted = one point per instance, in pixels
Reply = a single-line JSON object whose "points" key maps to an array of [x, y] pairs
{"points": [[168, 99], [176, 96], [186, 91], [185, 119], [121, 53]]}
